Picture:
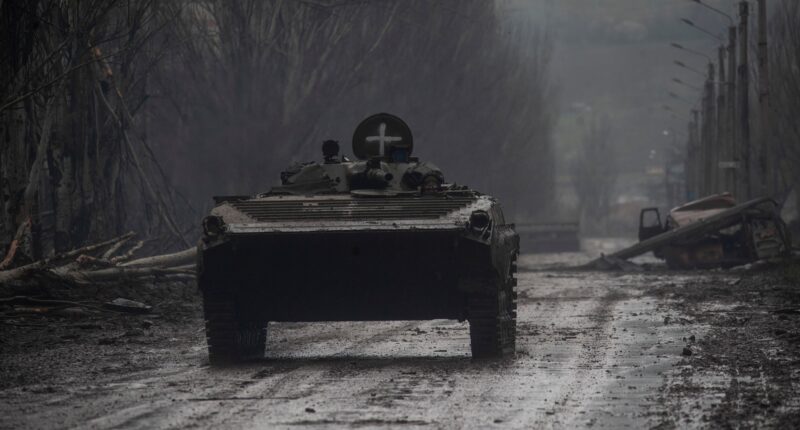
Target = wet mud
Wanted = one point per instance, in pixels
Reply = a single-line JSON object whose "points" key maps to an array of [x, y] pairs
{"points": [[594, 350], [744, 370]]}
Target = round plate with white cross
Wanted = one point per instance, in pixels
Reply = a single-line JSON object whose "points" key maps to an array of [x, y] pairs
{"points": [[385, 136]]}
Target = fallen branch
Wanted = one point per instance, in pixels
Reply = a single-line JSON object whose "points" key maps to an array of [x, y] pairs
{"points": [[22, 271], [106, 275], [87, 261], [85, 249], [117, 273], [177, 259], [111, 251], [25, 300], [129, 253], [79, 267]]}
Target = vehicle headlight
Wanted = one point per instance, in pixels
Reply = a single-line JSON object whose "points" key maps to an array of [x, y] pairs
{"points": [[479, 220], [212, 225]]}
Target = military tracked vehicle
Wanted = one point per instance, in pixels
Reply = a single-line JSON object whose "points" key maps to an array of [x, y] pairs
{"points": [[380, 237]]}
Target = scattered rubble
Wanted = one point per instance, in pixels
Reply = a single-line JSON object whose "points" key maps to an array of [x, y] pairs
{"points": [[746, 375], [97, 264]]}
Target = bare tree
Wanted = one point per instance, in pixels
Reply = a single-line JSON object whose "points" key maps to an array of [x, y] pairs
{"points": [[257, 84], [594, 174], [240, 94], [75, 82], [112, 111]]}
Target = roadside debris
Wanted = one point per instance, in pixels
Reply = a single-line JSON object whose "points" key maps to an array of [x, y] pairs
{"points": [[29, 304], [98, 264], [22, 305], [129, 306], [710, 232]]}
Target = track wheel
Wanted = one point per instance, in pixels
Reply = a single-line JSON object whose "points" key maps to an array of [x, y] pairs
{"points": [[493, 321], [230, 339]]}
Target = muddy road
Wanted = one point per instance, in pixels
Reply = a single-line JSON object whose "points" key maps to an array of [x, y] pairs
{"points": [[595, 349]]}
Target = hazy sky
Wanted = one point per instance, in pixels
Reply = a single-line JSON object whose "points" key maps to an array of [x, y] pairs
{"points": [[619, 49], [614, 57]]}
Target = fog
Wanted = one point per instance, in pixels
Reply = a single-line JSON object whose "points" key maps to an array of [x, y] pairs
{"points": [[613, 61], [562, 109]]}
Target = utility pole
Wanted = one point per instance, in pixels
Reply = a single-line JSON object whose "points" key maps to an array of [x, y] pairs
{"points": [[692, 159], [766, 169], [708, 172], [701, 143], [719, 178], [732, 171], [744, 148], [675, 168], [671, 185], [689, 163]]}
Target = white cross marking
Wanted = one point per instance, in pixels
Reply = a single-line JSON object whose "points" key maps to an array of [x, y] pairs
{"points": [[383, 139]]}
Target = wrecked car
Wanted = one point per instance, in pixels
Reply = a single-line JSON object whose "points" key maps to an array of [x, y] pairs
{"points": [[714, 231], [381, 237]]}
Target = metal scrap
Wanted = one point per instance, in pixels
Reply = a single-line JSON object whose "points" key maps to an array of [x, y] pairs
{"points": [[711, 232]]}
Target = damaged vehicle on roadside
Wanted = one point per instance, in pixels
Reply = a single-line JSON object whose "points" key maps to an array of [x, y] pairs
{"points": [[715, 231], [378, 238]]}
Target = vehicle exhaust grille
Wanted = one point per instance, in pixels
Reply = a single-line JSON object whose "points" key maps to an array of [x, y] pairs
{"points": [[351, 209]]}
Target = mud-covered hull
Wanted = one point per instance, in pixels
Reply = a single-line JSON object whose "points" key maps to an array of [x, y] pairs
{"points": [[346, 276], [347, 259]]}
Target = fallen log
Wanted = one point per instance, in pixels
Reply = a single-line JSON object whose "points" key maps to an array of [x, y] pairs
{"points": [[108, 275], [22, 271], [114, 248], [121, 273], [79, 267], [129, 253], [25, 300], [181, 258]]}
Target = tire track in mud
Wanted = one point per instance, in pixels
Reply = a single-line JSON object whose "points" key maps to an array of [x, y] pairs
{"points": [[612, 378], [238, 394], [353, 387], [583, 339], [225, 383], [291, 381], [581, 369], [532, 392]]}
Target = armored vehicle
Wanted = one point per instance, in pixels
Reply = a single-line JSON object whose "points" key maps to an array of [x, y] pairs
{"points": [[380, 237]]}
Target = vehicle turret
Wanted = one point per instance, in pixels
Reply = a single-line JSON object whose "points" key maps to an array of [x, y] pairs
{"points": [[382, 145]]}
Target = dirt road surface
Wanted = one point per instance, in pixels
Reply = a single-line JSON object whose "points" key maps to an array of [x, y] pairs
{"points": [[595, 350]]}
